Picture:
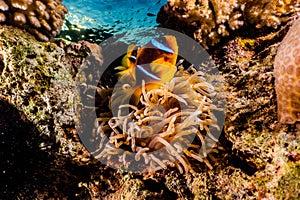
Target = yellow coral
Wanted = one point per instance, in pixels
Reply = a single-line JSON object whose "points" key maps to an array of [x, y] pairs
{"points": [[41, 18], [287, 76]]}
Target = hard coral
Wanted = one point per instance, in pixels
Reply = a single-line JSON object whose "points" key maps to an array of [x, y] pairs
{"points": [[287, 76], [210, 20], [175, 121], [207, 19], [43, 18]]}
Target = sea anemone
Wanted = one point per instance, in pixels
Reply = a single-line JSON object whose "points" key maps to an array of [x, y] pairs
{"points": [[43, 18], [287, 76], [172, 125]]}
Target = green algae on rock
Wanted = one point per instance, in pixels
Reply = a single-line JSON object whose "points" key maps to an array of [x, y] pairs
{"points": [[32, 73], [36, 78], [288, 186]]}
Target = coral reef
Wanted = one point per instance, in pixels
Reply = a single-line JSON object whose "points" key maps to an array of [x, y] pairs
{"points": [[287, 76], [260, 160], [208, 21], [43, 18]]}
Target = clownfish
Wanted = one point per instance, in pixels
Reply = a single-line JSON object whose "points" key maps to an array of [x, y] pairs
{"points": [[155, 63]]}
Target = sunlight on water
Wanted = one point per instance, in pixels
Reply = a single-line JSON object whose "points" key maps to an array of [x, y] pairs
{"points": [[109, 17]]}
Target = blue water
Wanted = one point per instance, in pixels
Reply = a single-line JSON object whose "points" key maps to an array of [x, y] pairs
{"points": [[112, 16]]}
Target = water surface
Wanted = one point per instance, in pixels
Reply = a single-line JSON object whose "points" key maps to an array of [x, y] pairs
{"points": [[101, 19]]}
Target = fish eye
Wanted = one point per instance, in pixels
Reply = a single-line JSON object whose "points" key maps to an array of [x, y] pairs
{"points": [[132, 58]]}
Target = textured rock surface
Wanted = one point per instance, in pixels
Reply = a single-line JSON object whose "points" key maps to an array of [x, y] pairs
{"points": [[36, 80], [43, 18], [287, 76], [261, 149]]}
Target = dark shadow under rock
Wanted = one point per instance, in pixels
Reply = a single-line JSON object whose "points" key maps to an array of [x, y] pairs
{"points": [[21, 157], [29, 170]]}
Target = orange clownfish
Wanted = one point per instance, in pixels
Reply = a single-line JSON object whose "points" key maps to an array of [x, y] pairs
{"points": [[155, 63]]}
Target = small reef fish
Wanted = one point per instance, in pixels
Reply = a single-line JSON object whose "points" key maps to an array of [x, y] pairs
{"points": [[155, 63]]}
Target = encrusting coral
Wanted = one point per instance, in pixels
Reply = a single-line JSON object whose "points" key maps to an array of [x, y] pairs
{"points": [[43, 18], [210, 20], [287, 76], [177, 120]]}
